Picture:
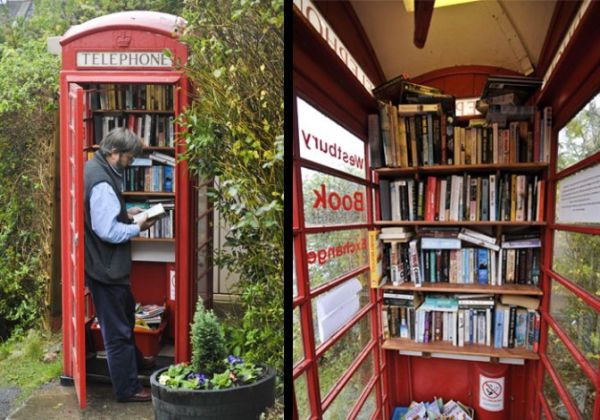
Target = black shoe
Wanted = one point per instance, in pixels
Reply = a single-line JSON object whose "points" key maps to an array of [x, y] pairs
{"points": [[143, 396], [147, 363]]}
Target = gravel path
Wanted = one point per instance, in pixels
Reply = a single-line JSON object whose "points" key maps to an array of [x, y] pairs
{"points": [[7, 396]]}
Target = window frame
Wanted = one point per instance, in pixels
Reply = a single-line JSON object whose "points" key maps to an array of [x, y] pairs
{"points": [[305, 295]]}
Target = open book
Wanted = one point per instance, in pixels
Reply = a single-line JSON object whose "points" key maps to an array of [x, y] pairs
{"points": [[153, 212]]}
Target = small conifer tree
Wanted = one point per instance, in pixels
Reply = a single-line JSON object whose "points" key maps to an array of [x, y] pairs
{"points": [[208, 342]]}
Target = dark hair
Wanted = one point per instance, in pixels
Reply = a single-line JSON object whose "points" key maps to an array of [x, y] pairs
{"points": [[121, 140]]}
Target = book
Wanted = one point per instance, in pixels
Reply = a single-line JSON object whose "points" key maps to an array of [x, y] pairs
{"points": [[521, 88], [479, 235], [477, 241], [376, 156], [153, 212], [522, 301], [162, 158]]}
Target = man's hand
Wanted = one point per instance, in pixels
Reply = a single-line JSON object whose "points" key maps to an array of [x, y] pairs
{"points": [[144, 223], [133, 211]]}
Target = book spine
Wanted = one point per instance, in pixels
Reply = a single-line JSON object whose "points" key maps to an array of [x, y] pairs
{"points": [[511, 327], [461, 328], [375, 141]]}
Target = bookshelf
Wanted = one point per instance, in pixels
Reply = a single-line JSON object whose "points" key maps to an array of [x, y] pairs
{"points": [[406, 345], [509, 289], [149, 111], [449, 176]]}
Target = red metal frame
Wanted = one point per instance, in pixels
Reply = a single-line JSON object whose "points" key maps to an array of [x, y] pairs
{"points": [[72, 242], [565, 92], [126, 31], [306, 295]]}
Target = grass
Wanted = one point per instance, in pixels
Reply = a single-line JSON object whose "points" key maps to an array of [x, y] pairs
{"points": [[21, 363]]}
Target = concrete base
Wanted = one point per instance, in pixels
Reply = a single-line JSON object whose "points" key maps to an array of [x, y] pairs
{"points": [[57, 402]]}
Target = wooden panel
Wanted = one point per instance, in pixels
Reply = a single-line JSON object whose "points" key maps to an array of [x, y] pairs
{"points": [[437, 223], [461, 81], [467, 349], [508, 289]]}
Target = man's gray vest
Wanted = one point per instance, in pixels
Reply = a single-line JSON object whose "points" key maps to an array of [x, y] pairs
{"points": [[104, 262]]}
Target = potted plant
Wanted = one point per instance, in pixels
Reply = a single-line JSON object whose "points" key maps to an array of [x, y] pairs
{"points": [[214, 385]]}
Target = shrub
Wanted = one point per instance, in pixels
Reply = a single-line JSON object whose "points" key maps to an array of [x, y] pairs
{"points": [[208, 342], [235, 136]]}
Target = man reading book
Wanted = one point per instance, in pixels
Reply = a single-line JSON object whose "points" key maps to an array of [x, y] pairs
{"points": [[108, 230]]}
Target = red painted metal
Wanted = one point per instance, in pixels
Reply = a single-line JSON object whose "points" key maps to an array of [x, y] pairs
{"points": [[336, 282], [575, 228], [346, 25], [461, 81], [575, 352], [544, 404], [72, 239], [128, 31], [562, 392], [562, 17], [584, 295], [362, 398], [339, 385]]}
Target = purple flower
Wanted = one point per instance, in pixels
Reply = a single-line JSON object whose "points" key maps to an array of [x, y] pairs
{"points": [[234, 360], [199, 376]]}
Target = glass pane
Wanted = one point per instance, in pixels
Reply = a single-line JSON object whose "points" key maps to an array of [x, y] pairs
{"points": [[202, 260], [294, 275], [202, 230], [577, 258], [579, 138], [368, 407], [329, 200], [580, 322], [298, 346], [345, 401], [557, 408], [324, 141], [202, 199], [301, 394], [336, 360], [578, 197], [333, 310], [333, 254], [577, 384]]}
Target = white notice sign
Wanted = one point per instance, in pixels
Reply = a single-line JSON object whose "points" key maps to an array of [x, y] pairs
{"points": [[337, 307], [123, 59], [578, 199], [491, 393]]}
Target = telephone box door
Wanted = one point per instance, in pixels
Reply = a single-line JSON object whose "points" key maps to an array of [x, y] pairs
{"points": [[72, 231]]}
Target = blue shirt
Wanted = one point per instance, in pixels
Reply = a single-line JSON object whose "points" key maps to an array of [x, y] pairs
{"points": [[104, 209]]}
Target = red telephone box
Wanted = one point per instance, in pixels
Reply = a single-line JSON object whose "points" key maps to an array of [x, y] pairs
{"points": [[121, 69]]}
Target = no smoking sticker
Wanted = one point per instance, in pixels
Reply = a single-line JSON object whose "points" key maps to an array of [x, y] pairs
{"points": [[491, 393]]}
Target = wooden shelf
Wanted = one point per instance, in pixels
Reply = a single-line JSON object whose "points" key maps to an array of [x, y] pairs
{"points": [[451, 169], [138, 239], [452, 223], [147, 194], [403, 344], [506, 289], [130, 111]]}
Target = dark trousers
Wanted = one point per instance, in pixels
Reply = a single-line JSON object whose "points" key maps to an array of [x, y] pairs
{"points": [[115, 309]]}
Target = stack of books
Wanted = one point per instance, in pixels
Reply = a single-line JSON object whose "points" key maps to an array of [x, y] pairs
{"points": [[435, 409], [149, 316]]}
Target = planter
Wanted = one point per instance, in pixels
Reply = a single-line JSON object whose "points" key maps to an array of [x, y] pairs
{"points": [[242, 402]]}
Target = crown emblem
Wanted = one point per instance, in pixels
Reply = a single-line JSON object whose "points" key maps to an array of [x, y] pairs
{"points": [[123, 39]]}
